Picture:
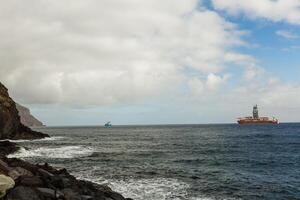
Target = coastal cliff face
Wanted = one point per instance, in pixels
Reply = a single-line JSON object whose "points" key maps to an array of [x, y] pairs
{"points": [[10, 123], [27, 118], [20, 180]]}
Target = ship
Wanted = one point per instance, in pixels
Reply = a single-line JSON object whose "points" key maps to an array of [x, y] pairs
{"points": [[108, 124], [255, 119]]}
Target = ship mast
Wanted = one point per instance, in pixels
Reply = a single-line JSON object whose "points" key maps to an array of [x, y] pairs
{"points": [[255, 112]]}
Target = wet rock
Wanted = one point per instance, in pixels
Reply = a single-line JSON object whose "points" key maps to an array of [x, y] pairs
{"points": [[22, 193], [45, 173], [34, 181], [4, 168], [115, 196], [16, 172], [86, 197], [46, 192], [69, 194], [7, 147], [46, 183], [57, 182], [15, 162], [6, 183]]}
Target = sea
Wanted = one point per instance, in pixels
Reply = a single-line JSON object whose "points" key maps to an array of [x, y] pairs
{"points": [[178, 162]]}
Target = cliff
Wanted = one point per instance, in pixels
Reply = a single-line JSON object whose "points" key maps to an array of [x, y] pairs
{"points": [[27, 118], [20, 180], [10, 123]]}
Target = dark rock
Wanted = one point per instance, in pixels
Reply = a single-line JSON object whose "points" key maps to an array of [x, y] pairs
{"points": [[10, 124], [69, 194], [47, 192], [22, 193], [47, 183], [45, 173], [33, 181], [57, 182], [115, 196], [86, 197], [7, 147], [4, 168], [15, 162], [17, 172]]}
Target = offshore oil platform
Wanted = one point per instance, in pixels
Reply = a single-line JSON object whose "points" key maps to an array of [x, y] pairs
{"points": [[255, 119]]}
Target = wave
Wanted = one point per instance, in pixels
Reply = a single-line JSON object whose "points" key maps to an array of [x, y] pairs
{"points": [[158, 188], [145, 189], [38, 140], [60, 152]]}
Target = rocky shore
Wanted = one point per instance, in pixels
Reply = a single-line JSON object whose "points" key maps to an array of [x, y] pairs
{"points": [[20, 180]]}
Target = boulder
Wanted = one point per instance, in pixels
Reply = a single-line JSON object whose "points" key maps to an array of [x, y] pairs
{"points": [[69, 194], [50, 193], [33, 181], [115, 196], [16, 172], [7, 147], [22, 193], [4, 168], [45, 174], [6, 183]]}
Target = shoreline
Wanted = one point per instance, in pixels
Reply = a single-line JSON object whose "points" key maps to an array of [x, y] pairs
{"points": [[43, 182]]}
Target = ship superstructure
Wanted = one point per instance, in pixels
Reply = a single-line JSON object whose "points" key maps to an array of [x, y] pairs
{"points": [[255, 119]]}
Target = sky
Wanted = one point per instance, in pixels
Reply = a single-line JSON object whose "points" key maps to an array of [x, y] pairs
{"points": [[87, 62]]}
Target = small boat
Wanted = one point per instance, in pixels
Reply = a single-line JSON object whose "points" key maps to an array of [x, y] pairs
{"points": [[108, 124]]}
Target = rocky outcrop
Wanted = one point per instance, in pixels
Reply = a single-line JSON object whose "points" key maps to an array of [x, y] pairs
{"points": [[27, 118], [20, 180], [7, 147], [24, 181], [10, 124], [6, 183]]}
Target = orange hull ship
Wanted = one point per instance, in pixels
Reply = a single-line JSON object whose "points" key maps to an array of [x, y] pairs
{"points": [[255, 119]]}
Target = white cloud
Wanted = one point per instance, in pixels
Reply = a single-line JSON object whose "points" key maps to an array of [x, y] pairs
{"points": [[93, 52], [287, 34], [279, 10], [208, 86], [214, 82]]}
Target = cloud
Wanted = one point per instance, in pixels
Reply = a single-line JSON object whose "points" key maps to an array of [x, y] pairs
{"points": [[91, 52], [287, 34], [276, 11], [209, 86]]}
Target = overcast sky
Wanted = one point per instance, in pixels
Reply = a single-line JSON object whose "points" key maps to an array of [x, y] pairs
{"points": [[86, 62]]}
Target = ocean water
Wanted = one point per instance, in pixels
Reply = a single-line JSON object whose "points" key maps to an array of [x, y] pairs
{"points": [[178, 162]]}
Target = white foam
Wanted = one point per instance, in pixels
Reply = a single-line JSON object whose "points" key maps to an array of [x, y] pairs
{"points": [[158, 188], [146, 189], [39, 140], [61, 152]]}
